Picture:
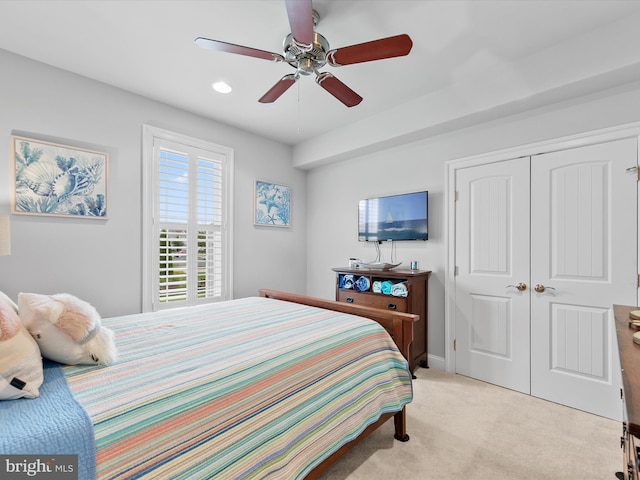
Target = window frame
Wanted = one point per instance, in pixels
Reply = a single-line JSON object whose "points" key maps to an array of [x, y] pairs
{"points": [[165, 139]]}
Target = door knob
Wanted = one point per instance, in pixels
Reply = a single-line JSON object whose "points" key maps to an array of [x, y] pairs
{"points": [[520, 286], [541, 288]]}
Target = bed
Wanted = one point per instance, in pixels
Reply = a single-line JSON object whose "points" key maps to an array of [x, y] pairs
{"points": [[196, 395]]}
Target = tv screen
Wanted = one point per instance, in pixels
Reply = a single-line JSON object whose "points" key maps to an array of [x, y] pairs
{"points": [[395, 217]]}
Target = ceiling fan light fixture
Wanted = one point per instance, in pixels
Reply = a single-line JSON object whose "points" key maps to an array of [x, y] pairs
{"points": [[221, 87]]}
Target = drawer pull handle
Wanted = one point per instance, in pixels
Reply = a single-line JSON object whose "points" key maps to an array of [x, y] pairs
{"points": [[349, 300], [391, 306]]}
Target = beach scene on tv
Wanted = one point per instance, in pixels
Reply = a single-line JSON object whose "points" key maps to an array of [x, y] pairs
{"points": [[396, 217]]}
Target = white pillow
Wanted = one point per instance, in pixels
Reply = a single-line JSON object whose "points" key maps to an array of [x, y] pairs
{"points": [[5, 299], [21, 372], [67, 329]]}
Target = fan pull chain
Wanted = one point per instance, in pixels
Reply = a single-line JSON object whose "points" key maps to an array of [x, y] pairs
{"points": [[298, 107]]}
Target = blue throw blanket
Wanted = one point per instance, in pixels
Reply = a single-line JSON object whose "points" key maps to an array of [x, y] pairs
{"points": [[52, 424], [386, 287], [362, 284], [400, 290], [346, 281]]}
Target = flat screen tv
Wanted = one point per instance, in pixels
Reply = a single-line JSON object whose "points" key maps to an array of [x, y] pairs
{"points": [[395, 217]]}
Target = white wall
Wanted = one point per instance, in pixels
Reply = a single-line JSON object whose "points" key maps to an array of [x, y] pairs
{"points": [[100, 261], [334, 190]]}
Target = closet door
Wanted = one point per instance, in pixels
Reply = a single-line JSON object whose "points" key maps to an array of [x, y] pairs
{"points": [[583, 257], [492, 258]]}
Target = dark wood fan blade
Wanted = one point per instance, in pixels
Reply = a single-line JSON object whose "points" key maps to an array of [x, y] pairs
{"points": [[338, 89], [278, 89], [300, 15], [397, 46], [237, 49]]}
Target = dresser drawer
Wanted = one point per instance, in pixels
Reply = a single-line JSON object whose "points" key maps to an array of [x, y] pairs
{"points": [[385, 302]]}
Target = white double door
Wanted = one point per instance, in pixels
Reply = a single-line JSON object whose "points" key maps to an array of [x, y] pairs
{"points": [[565, 222]]}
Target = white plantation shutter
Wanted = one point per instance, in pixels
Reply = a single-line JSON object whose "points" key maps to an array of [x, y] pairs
{"points": [[190, 224], [209, 193]]}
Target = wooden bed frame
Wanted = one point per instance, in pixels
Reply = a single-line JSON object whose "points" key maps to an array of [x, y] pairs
{"points": [[399, 326]]}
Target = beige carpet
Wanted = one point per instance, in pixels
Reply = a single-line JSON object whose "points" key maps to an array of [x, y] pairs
{"points": [[466, 429]]}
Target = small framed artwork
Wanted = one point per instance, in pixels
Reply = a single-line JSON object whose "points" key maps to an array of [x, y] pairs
{"points": [[272, 204], [59, 180]]}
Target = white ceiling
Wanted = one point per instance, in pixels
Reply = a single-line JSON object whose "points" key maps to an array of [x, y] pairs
{"points": [[147, 47]]}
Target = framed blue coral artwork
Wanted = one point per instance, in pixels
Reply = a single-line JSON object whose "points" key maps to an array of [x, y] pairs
{"points": [[53, 179], [272, 204]]}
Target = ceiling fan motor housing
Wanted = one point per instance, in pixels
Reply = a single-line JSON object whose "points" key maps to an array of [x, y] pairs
{"points": [[306, 61]]}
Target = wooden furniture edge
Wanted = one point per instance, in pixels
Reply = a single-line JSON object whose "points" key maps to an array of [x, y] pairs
{"points": [[394, 273], [335, 456], [399, 326], [629, 354]]}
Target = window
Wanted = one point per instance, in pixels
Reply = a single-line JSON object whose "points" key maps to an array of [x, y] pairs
{"points": [[187, 238]]}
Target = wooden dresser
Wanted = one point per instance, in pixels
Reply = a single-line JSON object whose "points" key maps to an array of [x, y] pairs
{"points": [[416, 300], [630, 363]]}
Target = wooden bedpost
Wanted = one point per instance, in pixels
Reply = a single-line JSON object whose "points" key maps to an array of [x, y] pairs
{"points": [[400, 422]]}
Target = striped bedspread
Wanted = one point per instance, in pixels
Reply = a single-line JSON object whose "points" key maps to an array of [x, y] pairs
{"points": [[250, 388]]}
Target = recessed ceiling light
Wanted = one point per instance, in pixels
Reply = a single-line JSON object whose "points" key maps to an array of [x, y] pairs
{"points": [[221, 87]]}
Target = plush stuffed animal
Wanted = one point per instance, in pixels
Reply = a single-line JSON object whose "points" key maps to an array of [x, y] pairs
{"points": [[67, 329], [21, 372]]}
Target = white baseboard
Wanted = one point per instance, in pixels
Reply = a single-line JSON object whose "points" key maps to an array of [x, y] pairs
{"points": [[437, 362]]}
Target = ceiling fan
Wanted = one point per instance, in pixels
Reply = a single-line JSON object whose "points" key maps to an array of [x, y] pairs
{"points": [[307, 51]]}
